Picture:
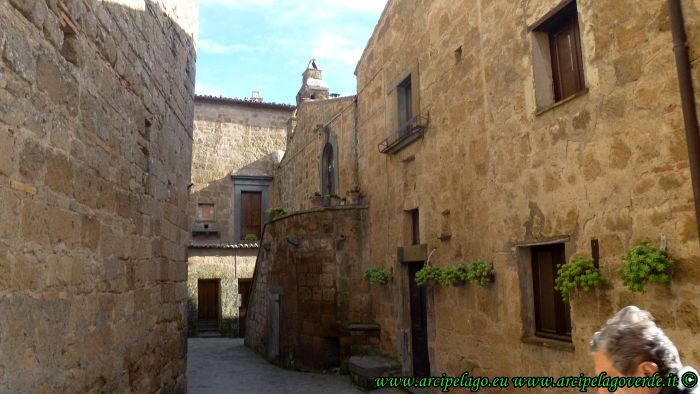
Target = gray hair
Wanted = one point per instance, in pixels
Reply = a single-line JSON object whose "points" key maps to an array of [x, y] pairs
{"points": [[631, 337]]}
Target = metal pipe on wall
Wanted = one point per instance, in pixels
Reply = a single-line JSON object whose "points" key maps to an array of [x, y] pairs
{"points": [[685, 85]]}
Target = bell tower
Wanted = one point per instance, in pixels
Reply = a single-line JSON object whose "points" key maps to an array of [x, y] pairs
{"points": [[313, 86]]}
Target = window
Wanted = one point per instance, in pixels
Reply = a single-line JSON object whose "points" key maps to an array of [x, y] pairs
{"points": [[328, 170], [205, 212], [251, 214], [557, 55], [415, 227], [250, 200], [405, 96], [552, 315]]}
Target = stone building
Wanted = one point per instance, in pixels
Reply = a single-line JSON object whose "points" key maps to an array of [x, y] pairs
{"points": [[237, 145], [521, 133], [96, 106]]}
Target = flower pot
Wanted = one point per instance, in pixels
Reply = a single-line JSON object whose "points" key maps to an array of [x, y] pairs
{"points": [[316, 201], [353, 198], [335, 201]]}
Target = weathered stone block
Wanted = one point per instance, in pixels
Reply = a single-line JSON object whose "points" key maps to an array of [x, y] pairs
{"points": [[19, 55]]}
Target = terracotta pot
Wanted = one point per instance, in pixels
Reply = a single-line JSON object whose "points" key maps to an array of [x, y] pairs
{"points": [[317, 201], [353, 199]]}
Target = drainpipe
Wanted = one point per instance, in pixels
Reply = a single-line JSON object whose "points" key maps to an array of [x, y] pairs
{"points": [[685, 85]]}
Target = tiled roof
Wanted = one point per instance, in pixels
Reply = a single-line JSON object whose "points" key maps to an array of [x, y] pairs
{"points": [[245, 102], [223, 245]]}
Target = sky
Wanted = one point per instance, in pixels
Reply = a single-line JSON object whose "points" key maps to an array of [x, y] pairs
{"points": [[266, 45]]}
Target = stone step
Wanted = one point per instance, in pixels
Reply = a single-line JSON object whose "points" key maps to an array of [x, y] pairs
{"points": [[363, 369]]}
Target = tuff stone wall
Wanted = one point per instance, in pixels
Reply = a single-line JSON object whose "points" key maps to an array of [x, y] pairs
{"points": [[96, 104], [298, 176], [316, 284], [231, 137], [494, 173]]}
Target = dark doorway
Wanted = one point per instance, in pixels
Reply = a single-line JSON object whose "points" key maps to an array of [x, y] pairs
{"points": [[328, 170], [244, 286], [552, 315], [419, 323], [208, 291]]}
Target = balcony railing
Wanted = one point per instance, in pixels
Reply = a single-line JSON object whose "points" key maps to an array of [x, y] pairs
{"points": [[410, 131]]}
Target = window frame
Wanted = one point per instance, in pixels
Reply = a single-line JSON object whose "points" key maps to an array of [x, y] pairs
{"points": [[547, 78], [198, 216], [404, 96], [562, 312], [247, 183]]}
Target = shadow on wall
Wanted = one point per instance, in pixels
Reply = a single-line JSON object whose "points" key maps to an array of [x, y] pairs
{"points": [[96, 108], [228, 265]]}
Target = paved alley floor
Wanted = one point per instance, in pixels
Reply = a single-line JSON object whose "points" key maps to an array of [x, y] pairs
{"points": [[225, 365]]}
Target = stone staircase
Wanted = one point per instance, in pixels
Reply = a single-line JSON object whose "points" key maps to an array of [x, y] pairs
{"points": [[364, 363]]}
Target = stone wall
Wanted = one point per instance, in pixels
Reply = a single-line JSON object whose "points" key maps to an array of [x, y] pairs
{"points": [[298, 176], [493, 173], [308, 287], [96, 104], [228, 265], [231, 137], [496, 173]]}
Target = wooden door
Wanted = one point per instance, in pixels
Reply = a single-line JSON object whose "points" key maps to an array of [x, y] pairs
{"points": [[251, 214], [244, 286], [419, 323], [208, 304]]}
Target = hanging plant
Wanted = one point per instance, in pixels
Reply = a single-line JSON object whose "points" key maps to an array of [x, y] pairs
{"points": [[426, 274], [454, 274], [377, 275], [645, 263], [480, 273], [579, 273]]}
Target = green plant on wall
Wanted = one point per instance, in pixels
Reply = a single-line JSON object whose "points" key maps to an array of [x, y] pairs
{"points": [[275, 212], [453, 274], [645, 263], [251, 237], [578, 273], [480, 273], [377, 275], [427, 273]]}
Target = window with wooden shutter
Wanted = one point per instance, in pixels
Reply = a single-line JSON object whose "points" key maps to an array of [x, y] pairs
{"points": [[405, 104], [251, 214], [205, 212], [552, 315], [559, 67]]}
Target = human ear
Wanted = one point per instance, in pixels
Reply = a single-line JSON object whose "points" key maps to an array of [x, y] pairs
{"points": [[647, 368]]}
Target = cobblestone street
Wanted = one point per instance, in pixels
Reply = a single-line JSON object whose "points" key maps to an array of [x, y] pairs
{"points": [[225, 365]]}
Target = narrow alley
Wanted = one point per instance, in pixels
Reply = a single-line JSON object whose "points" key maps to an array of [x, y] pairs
{"points": [[225, 365]]}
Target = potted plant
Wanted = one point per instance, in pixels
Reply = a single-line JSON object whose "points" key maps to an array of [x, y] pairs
{"points": [[454, 274], [250, 237], [334, 200], [428, 274], [480, 273], [316, 199], [579, 273], [353, 196], [377, 275], [273, 213], [645, 263]]}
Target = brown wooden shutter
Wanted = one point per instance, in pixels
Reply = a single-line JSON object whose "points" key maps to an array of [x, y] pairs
{"points": [[552, 315], [251, 220], [567, 66]]}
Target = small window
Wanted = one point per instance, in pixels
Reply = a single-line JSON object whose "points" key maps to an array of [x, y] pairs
{"points": [[251, 215], [205, 212], [557, 55], [405, 96], [328, 170], [415, 227], [552, 315]]}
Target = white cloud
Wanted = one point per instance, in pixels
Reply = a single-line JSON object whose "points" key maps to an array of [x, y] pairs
{"points": [[211, 46], [334, 48]]}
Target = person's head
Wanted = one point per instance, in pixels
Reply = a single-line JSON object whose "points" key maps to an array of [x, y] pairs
{"points": [[631, 344]]}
